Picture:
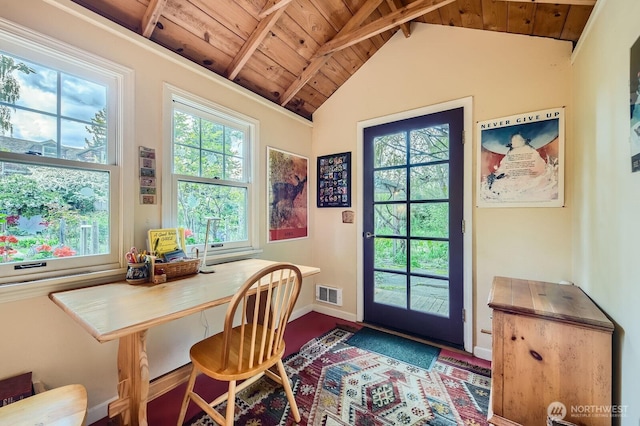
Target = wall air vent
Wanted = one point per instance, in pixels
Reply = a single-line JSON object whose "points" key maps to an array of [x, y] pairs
{"points": [[330, 295]]}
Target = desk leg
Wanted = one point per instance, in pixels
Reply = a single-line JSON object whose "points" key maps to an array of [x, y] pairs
{"points": [[133, 377]]}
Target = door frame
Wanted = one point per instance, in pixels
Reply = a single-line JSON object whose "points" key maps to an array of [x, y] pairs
{"points": [[467, 105]]}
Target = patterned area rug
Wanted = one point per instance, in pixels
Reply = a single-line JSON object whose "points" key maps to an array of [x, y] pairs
{"points": [[338, 384]]}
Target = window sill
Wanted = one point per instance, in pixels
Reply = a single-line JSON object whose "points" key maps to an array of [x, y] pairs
{"points": [[11, 292], [230, 256]]}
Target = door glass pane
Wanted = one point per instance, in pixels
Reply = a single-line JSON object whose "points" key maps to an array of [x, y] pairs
{"points": [[390, 219], [390, 253], [430, 295], [430, 257], [390, 185], [430, 144], [390, 289], [390, 150], [430, 182], [430, 220]]}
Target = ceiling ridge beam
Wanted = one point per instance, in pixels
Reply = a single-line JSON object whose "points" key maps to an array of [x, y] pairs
{"points": [[151, 17], [318, 61], [273, 13], [400, 16]]}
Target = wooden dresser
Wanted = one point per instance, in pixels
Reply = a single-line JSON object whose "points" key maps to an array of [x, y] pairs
{"points": [[550, 344]]}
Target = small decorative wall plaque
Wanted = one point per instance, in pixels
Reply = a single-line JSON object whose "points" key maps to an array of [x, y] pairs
{"points": [[148, 190]]}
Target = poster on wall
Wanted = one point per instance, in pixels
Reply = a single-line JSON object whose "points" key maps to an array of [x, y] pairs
{"points": [[521, 160], [288, 200], [334, 180], [634, 85]]}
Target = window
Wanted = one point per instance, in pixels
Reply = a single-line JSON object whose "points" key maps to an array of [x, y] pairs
{"points": [[211, 171], [60, 134]]}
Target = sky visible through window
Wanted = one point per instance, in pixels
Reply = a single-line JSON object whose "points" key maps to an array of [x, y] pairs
{"points": [[37, 111]]}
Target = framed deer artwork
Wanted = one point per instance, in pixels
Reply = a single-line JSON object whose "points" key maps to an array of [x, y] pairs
{"points": [[288, 198]]}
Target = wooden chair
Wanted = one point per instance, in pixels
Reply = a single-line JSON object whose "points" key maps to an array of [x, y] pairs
{"points": [[66, 405], [248, 350]]}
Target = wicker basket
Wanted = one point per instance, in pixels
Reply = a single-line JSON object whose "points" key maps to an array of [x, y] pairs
{"points": [[179, 269]]}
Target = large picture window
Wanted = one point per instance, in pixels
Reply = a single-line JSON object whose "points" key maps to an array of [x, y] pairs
{"points": [[59, 172], [211, 170]]}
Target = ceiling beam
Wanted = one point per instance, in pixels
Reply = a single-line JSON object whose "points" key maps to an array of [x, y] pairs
{"points": [[407, 13], [318, 61], [151, 16], [271, 7], [570, 2], [406, 28], [272, 12]]}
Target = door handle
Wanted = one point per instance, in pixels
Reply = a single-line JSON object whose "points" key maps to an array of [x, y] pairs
{"points": [[369, 235]]}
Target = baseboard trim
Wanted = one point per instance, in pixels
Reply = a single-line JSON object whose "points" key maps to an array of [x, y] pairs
{"points": [[98, 412], [334, 312], [297, 313], [483, 353]]}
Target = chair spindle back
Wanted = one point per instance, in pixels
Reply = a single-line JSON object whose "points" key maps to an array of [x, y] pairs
{"points": [[266, 301]]}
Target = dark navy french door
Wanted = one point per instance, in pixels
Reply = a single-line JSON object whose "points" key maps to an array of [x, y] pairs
{"points": [[413, 219]]}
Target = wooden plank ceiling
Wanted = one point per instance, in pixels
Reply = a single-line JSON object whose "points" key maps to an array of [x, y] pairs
{"points": [[296, 53]]}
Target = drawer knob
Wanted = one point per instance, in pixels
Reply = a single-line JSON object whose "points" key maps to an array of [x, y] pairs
{"points": [[536, 355]]}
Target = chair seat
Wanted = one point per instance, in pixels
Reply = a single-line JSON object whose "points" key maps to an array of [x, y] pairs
{"points": [[63, 406], [207, 355]]}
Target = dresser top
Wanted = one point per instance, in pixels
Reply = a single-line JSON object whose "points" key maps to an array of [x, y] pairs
{"points": [[565, 303]]}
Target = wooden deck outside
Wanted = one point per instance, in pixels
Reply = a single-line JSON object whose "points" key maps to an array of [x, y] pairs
{"points": [[425, 298]]}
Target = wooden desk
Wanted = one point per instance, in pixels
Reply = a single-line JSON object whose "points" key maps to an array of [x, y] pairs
{"points": [[125, 312]]}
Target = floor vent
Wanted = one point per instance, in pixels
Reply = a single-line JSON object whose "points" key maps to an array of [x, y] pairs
{"points": [[330, 295]]}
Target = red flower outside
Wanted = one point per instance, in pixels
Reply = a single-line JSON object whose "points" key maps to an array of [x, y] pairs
{"points": [[8, 239], [44, 247], [64, 252]]}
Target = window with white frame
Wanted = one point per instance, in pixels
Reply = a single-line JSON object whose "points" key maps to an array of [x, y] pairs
{"points": [[210, 173], [60, 137]]}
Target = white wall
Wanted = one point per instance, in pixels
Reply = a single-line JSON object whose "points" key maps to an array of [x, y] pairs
{"points": [[36, 335], [607, 201], [505, 74]]}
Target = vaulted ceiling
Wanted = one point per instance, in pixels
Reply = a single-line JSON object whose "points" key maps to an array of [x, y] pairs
{"points": [[296, 53]]}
